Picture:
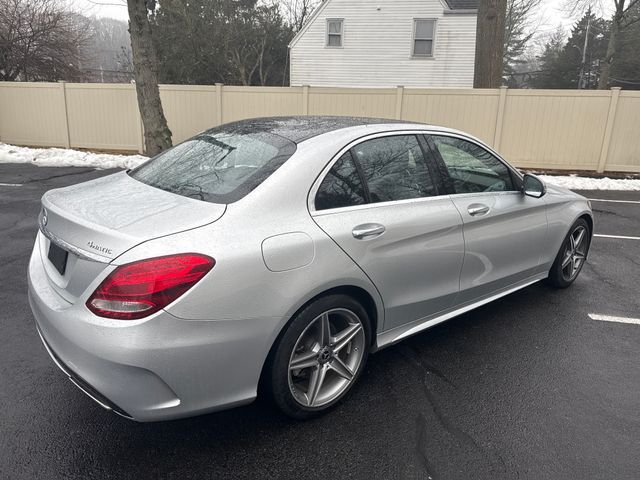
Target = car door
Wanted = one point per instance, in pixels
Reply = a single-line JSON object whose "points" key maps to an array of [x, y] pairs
{"points": [[379, 201], [504, 230]]}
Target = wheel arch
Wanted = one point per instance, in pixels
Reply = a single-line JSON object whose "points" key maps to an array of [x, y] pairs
{"points": [[589, 219], [364, 297]]}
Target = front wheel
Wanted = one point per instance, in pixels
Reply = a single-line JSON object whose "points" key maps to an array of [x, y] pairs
{"points": [[572, 255], [320, 356]]}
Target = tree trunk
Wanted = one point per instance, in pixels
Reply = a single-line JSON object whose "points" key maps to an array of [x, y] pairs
{"points": [[603, 81], [157, 136], [489, 44]]}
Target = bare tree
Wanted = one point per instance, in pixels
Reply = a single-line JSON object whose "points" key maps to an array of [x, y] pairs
{"points": [[107, 56], [40, 40], [256, 44], [489, 44], [157, 136], [297, 12], [519, 29], [623, 17]]}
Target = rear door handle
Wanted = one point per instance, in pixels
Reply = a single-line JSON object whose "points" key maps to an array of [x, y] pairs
{"points": [[368, 230], [477, 209]]}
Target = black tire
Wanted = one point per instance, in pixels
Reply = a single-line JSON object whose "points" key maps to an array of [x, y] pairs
{"points": [[278, 379], [558, 276]]}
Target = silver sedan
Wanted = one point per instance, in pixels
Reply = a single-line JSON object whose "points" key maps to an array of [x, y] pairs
{"points": [[279, 253]]}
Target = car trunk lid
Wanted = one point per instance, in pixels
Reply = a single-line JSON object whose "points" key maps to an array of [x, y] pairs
{"points": [[96, 221]]}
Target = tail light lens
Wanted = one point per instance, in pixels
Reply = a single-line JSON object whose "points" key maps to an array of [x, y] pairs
{"points": [[138, 289]]}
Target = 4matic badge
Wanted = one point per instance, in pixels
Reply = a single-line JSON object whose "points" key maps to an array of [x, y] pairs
{"points": [[98, 248]]}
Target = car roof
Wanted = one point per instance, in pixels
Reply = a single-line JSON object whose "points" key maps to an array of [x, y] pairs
{"points": [[300, 128]]}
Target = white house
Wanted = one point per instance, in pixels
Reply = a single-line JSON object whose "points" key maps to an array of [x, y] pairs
{"points": [[384, 43]]}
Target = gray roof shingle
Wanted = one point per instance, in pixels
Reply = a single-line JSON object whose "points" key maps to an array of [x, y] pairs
{"points": [[462, 4]]}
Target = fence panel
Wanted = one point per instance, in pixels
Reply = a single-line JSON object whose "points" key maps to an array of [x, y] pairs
{"points": [[554, 129], [33, 114], [103, 116], [473, 111], [358, 102], [239, 103], [189, 109], [624, 149]]}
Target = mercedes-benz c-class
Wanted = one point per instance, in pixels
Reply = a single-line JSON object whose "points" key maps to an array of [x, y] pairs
{"points": [[276, 254]]}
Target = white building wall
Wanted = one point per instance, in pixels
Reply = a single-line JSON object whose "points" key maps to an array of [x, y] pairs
{"points": [[377, 46]]}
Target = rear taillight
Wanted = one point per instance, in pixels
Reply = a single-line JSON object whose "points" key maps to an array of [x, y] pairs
{"points": [[138, 289]]}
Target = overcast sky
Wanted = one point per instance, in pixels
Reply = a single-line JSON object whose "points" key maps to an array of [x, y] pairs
{"points": [[550, 15]]}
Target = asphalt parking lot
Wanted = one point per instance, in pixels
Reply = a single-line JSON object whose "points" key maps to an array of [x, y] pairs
{"points": [[527, 387]]}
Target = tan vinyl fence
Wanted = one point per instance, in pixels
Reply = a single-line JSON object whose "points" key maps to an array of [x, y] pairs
{"points": [[538, 129]]}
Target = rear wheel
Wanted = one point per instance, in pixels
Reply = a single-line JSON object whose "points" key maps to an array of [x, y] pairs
{"points": [[320, 356], [572, 255]]}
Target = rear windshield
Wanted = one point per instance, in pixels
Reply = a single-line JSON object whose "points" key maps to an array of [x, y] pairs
{"points": [[216, 166]]}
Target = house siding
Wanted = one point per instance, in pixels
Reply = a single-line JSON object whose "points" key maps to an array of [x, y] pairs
{"points": [[377, 47]]}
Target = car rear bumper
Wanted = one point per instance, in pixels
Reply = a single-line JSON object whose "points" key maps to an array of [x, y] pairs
{"points": [[81, 383], [159, 368]]}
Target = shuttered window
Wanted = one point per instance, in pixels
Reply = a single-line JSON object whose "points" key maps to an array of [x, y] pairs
{"points": [[423, 35]]}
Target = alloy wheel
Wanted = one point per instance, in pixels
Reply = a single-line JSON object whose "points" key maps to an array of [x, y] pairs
{"points": [[326, 357], [575, 253]]}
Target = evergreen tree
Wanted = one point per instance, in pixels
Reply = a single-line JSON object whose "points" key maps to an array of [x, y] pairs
{"points": [[625, 70], [561, 63]]}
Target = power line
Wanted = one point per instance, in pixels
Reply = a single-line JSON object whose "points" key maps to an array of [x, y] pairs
{"points": [[530, 72], [106, 71], [619, 80]]}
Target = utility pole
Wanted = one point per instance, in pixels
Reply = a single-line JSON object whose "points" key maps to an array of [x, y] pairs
{"points": [[584, 50]]}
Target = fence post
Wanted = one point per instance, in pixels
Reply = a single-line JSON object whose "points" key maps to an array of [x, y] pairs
{"points": [[399, 99], [611, 117], [141, 143], [305, 100], [63, 89], [219, 103], [141, 137], [497, 135]]}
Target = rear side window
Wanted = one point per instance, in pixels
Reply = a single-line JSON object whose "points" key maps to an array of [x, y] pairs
{"points": [[394, 168], [216, 166], [342, 187]]}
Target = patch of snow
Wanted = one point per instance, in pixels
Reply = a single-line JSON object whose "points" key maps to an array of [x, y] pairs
{"points": [[574, 182], [62, 157]]}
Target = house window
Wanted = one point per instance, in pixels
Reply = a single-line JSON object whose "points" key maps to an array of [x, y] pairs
{"points": [[423, 34], [334, 32]]}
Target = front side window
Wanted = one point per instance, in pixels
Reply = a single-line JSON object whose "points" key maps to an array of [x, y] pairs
{"points": [[394, 168], [342, 187], [471, 168], [334, 32], [423, 34], [219, 166]]}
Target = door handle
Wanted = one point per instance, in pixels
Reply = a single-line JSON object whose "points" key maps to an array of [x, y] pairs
{"points": [[477, 209], [368, 230]]}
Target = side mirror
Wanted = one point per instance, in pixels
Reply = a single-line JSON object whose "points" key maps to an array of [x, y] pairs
{"points": [[532, 186]]}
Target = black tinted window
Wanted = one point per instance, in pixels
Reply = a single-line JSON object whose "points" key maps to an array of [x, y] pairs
{"points": [[471, 168], [216, 166], [341, 187], [394, 168]]}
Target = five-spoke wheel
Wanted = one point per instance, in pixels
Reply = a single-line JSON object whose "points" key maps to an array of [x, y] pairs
{"points": [[575, 252], [320, 355], [325, 357], [572, 255]]}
